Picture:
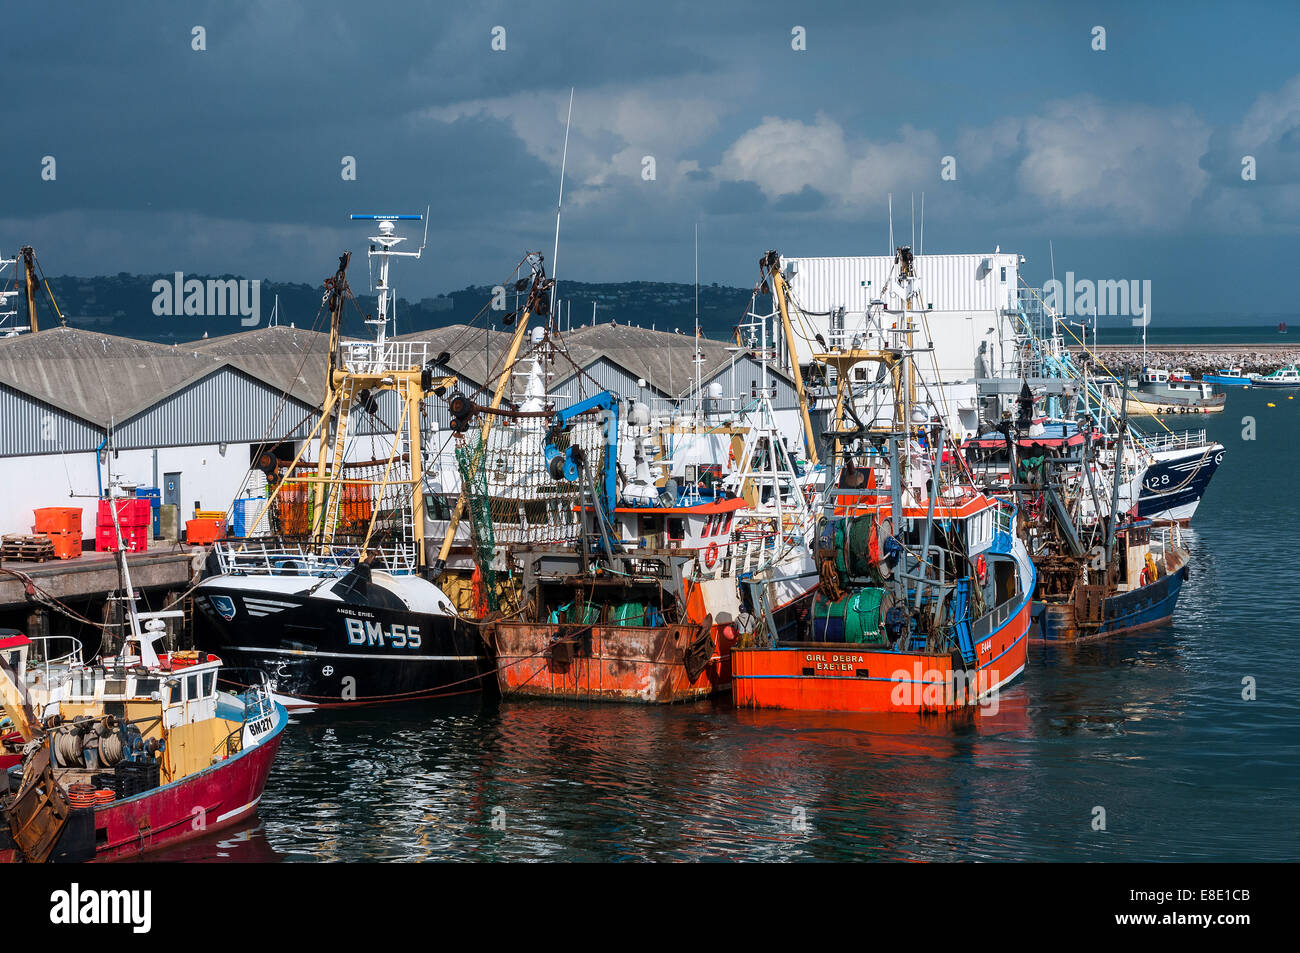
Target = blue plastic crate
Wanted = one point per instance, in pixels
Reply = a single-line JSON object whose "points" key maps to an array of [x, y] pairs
{"points": [[245, 511], [154, 496]]}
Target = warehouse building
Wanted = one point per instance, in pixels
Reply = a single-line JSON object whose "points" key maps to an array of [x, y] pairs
{"points": [[75, 405], [189, 419]]}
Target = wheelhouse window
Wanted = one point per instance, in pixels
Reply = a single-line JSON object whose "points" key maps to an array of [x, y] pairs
{"points": [[208, 678], [191, 687]]}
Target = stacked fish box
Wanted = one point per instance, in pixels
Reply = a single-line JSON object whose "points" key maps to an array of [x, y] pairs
{"points": [[133, 516], [207, 526], [62, 524]]}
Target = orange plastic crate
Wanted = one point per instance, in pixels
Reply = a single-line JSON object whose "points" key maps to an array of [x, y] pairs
{"points": [[58, 519], [201, 532], [66, 545]]}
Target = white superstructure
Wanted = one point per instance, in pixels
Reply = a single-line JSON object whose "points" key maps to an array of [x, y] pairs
{"points": [[968, 316]]}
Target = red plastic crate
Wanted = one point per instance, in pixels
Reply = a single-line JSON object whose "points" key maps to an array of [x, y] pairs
{"points": [[136, 538], [129, 513]]}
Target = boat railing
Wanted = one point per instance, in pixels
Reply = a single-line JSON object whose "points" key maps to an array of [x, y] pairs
{"points": [[704, 411], [43, 649], [272, 558], [1174, 440], [1004, 526], [55, 656], [370, 357]]}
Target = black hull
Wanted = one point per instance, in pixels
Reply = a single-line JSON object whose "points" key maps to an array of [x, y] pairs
{"points": [[322, 652], [1171, 488]]}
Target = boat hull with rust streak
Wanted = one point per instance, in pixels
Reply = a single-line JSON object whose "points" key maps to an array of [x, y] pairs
{"points": [[608, 663]]}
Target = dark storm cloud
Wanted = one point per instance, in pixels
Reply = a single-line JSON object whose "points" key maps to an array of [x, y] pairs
{"points": [[229, 159]]}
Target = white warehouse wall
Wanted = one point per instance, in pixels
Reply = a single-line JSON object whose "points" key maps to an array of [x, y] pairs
{"points": [[39, 481]]}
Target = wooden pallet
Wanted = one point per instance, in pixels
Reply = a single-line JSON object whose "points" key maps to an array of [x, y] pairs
{"points": [[34, 549]]}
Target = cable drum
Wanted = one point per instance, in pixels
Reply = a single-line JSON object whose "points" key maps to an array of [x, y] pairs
{"points": [[67, 748], [110, 748]]}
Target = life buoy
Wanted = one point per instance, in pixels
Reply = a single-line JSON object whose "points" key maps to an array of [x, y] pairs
{"points": [[981, 568], [711, 555]]}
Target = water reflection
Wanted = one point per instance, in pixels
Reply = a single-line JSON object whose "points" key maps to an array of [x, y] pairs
{"points": [[1151, 728]]}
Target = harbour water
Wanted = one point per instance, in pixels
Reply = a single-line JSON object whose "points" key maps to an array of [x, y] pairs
{"points": [[1152, 729]]}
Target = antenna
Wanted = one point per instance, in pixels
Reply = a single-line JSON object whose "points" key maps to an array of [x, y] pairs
{"points": [[913, 219], [921, 249], [891, 224], [564, 159], [698, 359], [382, 246]]}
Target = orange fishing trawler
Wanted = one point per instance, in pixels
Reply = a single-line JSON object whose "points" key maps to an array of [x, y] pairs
{"points": [[924, 600], [875, 642]]}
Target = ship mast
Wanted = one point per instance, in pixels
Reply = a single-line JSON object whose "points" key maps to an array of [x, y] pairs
{"points": [[29, 268], [771, 264], [539, 302]]}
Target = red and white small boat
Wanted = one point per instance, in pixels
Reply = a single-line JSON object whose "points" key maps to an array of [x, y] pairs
{"points": [[131, 753]]}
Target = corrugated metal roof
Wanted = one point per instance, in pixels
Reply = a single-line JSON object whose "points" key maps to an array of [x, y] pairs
{"points": [[473, 349], [227, 406], [292, 360], [98, 377], [665, 360]]}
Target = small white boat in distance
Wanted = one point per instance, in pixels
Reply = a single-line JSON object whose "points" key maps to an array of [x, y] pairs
{"points": [[1288, 376]]}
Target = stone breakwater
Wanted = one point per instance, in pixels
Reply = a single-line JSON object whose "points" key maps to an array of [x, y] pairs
{"points": [[1198, 359]]}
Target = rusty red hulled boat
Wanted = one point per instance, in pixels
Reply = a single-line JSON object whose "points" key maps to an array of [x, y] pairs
{"points": [[134, 752], [646, 605], [133, 755]]}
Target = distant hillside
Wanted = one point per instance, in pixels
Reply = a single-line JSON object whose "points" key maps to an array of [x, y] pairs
{"points": [[123, 304]]}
